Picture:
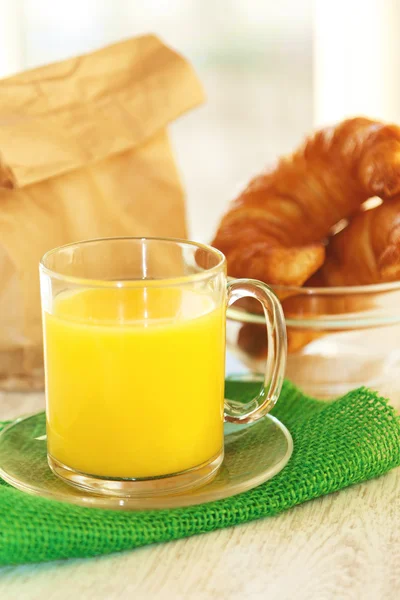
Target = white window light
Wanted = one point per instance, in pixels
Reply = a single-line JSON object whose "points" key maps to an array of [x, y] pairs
{"points": [[11, 37], [356, 60]]}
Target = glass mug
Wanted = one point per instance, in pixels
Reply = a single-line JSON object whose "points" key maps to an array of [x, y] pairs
{"points": [[134, 343]]}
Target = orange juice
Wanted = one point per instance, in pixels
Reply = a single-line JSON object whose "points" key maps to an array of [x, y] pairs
{"points": [[134, 380]]}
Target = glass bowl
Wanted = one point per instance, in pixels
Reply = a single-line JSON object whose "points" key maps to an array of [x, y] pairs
{"points": [[338, 338]]}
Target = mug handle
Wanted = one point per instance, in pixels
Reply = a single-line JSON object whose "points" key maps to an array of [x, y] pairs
{"points": [[237, 412]]}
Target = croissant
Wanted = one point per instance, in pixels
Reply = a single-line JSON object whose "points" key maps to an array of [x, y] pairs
{"points": [[252, 339], [275, 230], [366, 251]]}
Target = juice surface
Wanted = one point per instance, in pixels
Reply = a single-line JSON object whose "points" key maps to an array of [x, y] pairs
{"points": [[135, 380]]}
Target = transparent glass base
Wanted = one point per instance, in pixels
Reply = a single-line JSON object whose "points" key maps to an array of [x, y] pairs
{"points": [[253, 453], [175, 483]]}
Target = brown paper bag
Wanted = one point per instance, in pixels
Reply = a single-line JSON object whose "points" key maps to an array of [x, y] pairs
{"points": [[85, 154]]}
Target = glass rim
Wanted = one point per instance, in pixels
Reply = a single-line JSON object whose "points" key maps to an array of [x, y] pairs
{"points": [[328, 320], [343, 290], [323, 322], [122, 283]]}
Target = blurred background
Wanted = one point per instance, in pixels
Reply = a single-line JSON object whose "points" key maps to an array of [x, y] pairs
{"points": [[271, 70]]}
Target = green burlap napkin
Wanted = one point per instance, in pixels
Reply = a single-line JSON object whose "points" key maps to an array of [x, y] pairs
{"points": [[336, 444]]}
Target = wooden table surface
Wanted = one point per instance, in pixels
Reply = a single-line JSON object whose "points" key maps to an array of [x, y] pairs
{"points": [[343, 546]]}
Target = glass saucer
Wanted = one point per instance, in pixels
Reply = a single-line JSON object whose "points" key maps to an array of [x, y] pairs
{"points": [[254, 453]]}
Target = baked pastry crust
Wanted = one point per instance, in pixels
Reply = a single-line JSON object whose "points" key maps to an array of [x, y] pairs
{"points": [[276, 229]]}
